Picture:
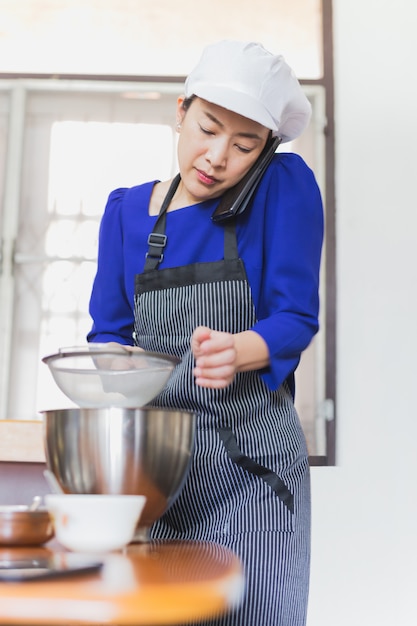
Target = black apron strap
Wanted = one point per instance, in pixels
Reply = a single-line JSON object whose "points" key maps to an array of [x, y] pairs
{"points": [[230, 240], [248, 464], [157, 239]]}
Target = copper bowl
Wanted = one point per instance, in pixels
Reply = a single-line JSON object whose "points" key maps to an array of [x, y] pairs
{"points": [[21, 527]]}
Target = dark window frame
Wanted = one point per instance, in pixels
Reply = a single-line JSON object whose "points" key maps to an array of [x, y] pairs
{"points": [[327, 82]]}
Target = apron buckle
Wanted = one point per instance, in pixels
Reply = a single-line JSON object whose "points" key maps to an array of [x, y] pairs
{"points": [[157, 240], [157, 243]]}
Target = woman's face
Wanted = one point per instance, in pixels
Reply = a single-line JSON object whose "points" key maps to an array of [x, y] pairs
{"points": [[216, 148]]}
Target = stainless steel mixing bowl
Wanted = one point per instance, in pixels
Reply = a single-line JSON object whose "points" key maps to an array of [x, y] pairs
{"points": [[143, 451]]}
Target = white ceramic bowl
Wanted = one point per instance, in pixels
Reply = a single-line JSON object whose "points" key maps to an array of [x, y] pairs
{"points": [[94, 523]]}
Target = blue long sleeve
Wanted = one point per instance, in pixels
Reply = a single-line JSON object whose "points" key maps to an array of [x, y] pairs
{"points": [[288, 298], [279, 239]]}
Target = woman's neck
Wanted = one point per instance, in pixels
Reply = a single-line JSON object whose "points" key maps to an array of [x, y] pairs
{"points": [[180, 199]]}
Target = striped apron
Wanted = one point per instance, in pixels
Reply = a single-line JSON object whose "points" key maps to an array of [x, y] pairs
{"points": [[248, 487]]}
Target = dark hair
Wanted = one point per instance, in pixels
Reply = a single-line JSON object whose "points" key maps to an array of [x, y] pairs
{"points": [[187, 102]]}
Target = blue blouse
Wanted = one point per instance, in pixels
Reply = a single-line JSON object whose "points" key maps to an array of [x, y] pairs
{"points": [[279, 240]]}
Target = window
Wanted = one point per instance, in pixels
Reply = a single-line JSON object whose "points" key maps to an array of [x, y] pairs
{"points": [[72, 140]]}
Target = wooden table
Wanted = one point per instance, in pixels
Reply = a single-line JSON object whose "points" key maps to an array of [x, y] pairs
{"points": [[146, 584]]}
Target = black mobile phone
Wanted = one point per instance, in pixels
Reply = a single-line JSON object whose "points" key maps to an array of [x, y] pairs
{"points": [[235, 200]]}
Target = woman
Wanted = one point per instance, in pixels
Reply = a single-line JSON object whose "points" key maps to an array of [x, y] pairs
{"points": [[237, 302]]}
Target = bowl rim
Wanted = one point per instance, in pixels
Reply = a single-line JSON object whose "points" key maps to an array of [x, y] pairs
{"points": [[82, 351], [22, 514], [50, 497]]}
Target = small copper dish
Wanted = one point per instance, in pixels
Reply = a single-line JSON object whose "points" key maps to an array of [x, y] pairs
{"points": [[19, 526]]}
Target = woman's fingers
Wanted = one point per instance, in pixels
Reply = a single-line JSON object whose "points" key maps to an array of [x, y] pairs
{"points": [[215, 357]]}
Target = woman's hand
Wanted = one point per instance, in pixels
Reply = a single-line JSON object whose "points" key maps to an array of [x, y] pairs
{"points": [[122, 346], [113, 361], [218, 355], [215, 357]]}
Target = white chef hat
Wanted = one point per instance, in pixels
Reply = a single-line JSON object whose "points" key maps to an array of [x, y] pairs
{"points": [[247, 79]]}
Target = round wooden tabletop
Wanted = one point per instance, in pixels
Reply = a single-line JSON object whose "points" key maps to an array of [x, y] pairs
{"points": [[146, 584]]}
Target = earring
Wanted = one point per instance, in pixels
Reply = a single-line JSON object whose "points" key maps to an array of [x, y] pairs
{"points": [[178, 125]]}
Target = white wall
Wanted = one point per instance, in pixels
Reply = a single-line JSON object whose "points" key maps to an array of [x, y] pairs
{"points": [[364, 562]]}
